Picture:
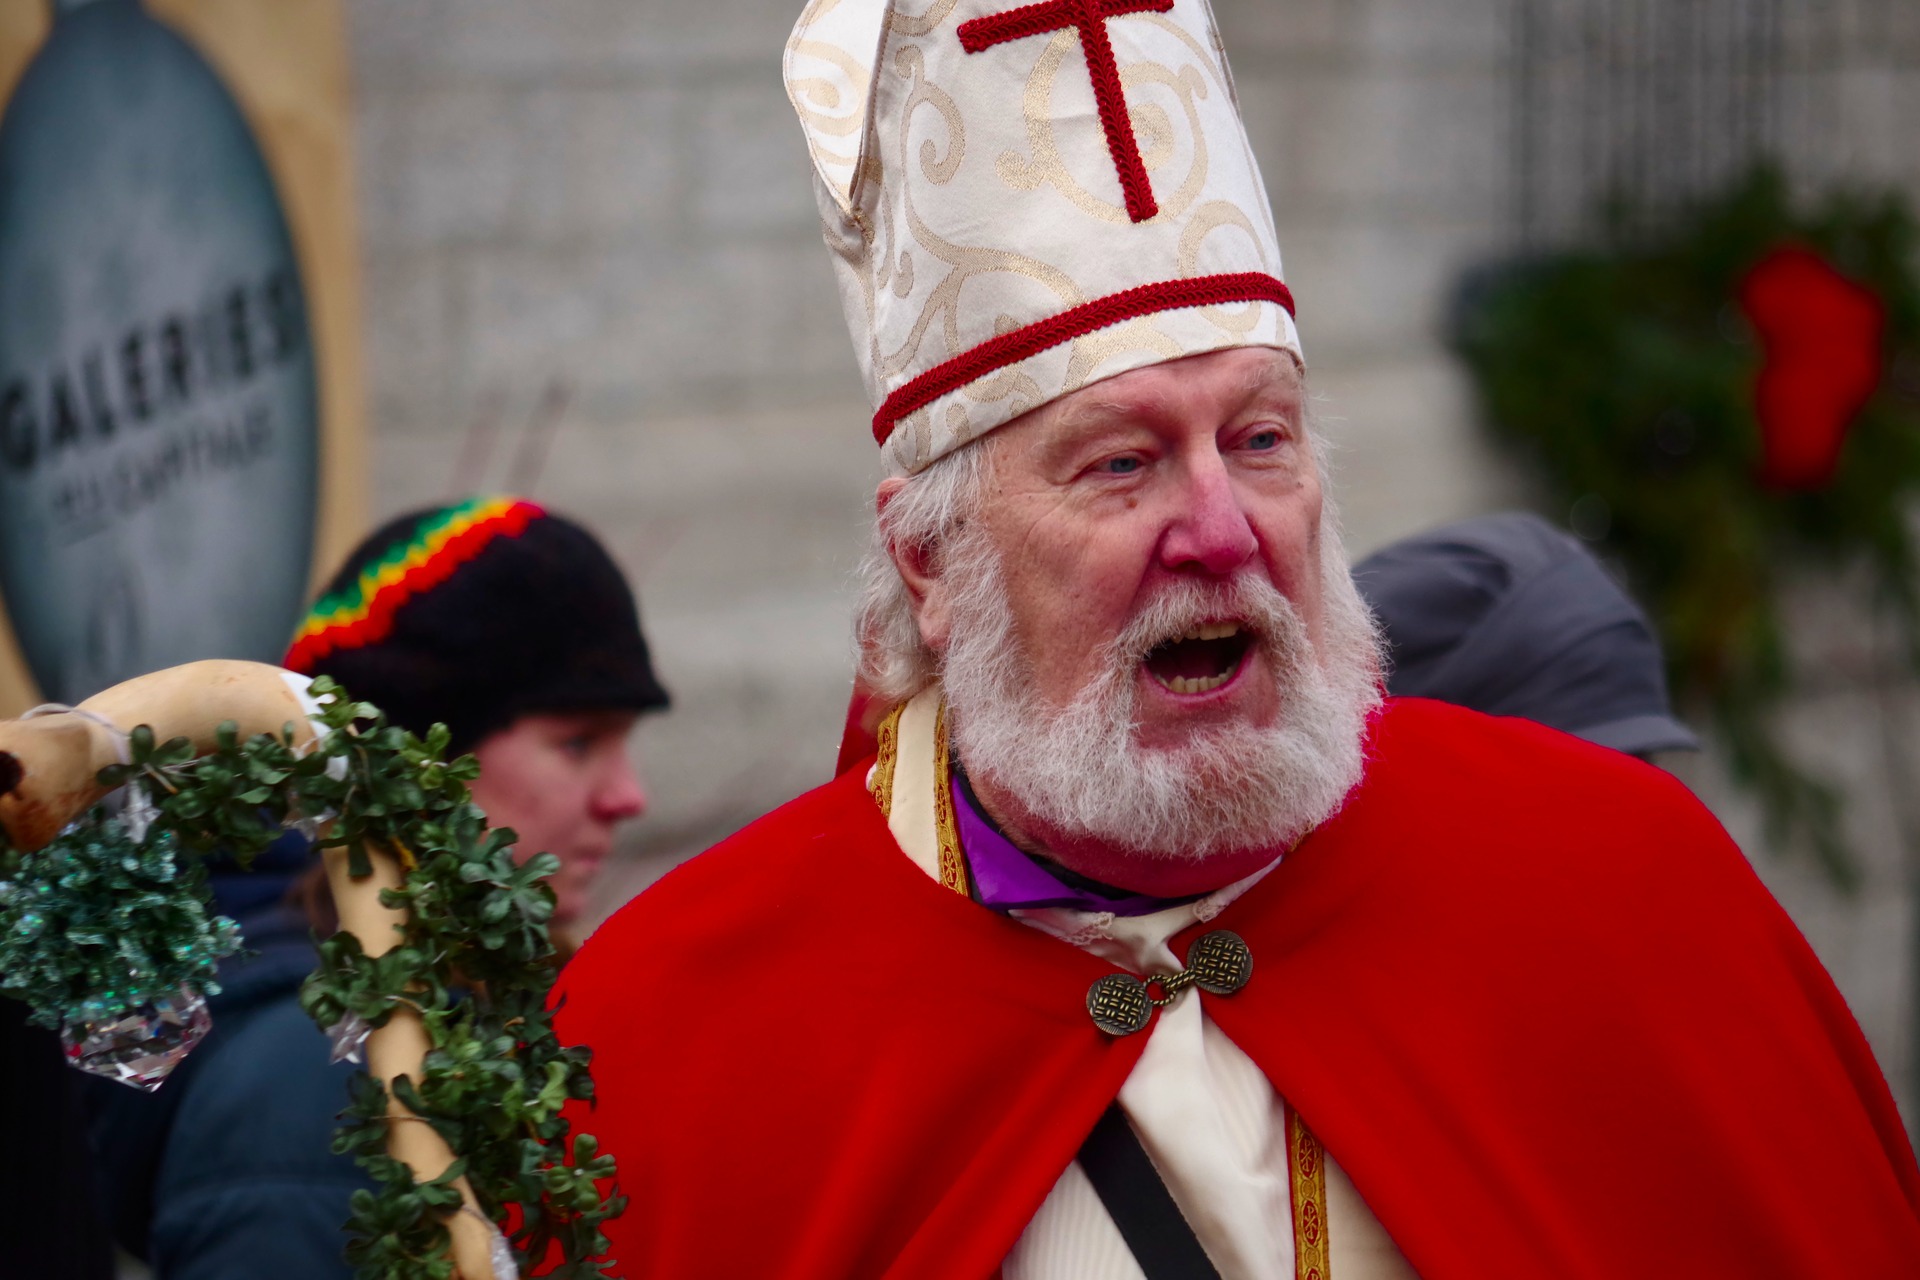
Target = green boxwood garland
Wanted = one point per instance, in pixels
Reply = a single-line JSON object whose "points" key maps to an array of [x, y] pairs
{"points": [[1623, 377], [97, 924], [477, 961]]}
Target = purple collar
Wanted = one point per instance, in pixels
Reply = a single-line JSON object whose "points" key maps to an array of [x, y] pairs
{"points": [[1005, 877]]}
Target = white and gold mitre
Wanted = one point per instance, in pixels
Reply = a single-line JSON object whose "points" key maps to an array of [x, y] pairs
{"points": [[1024, 200]]}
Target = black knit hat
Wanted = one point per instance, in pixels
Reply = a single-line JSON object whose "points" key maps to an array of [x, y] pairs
{"points": [[477, 614]]}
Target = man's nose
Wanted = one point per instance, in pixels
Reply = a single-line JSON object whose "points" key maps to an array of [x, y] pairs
{"points": [[1210, 532], [620, 795]]}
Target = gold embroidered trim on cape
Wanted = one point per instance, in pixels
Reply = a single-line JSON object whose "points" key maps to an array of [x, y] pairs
{"points": [[1307, 1174], [881, 783], [953, 863]]}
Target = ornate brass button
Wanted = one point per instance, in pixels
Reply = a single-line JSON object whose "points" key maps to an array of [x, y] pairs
{"points": [[1220, 962], [1119, 1004]]}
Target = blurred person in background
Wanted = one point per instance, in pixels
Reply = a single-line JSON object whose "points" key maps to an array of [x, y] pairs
{"points": [[515, 629], [1510, 616]]}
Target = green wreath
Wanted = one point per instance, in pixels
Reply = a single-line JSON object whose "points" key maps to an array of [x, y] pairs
{"points": [[476, 961], [1625, 378]]}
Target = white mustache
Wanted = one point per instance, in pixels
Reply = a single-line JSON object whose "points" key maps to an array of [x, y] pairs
{"points": [[1179, 609]]}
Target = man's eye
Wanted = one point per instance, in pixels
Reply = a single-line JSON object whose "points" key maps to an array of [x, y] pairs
{"points": [[1264, 440], [1124, 465]]}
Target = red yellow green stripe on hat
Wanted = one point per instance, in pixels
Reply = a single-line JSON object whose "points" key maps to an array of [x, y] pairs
{"points": [[363, 613]]}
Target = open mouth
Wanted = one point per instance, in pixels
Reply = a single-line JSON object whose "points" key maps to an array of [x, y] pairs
{"points": [[1201, 660]]}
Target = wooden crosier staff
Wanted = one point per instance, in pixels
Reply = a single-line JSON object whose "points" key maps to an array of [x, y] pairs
{"points": [[49, 767]]}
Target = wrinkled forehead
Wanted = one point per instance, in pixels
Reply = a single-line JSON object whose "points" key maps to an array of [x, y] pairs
{"points": [[1197, 390]]}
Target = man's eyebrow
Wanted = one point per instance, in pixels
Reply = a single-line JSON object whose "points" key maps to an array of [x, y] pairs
{"points": [[1273, 380], [1270, 377], [1092, 414]]}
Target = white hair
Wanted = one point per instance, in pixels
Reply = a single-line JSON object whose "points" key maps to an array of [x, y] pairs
{"points": [[922, 517]]}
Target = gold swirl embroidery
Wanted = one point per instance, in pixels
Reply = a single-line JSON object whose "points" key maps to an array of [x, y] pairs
{"points": [[826, 95], [828, 85], [1207, 219], [1199, 51], [1213, 56], [942, 301], [1008, 384], [1307, 1174], [953, 863], [910, 63], [880, 785], [912, 440], [1153, 133], [1189, 87], [1095, 349], [1150, 120], [910, 25]]}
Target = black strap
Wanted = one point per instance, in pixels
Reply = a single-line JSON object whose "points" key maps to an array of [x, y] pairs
{"points": [[1139, 1203]]}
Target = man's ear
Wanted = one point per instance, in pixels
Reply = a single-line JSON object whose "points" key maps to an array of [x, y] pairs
{"points": [[926, 590]]}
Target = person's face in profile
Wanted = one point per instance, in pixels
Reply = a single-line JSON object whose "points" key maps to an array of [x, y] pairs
{"points": [[564, 783]]}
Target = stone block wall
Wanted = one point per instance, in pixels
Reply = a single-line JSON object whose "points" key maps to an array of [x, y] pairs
{"points": [[609, 197]]}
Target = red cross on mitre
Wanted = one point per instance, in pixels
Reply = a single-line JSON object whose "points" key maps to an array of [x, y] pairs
{"points": [[1089, 17]]}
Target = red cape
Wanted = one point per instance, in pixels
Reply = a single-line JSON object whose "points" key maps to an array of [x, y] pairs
{"points": [[1525, 990]]}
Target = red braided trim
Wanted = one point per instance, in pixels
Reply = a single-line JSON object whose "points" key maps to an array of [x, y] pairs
{"points": [[977, 34], [1046, 17], [1090, 18], [1121, 144], [1102, 313]]}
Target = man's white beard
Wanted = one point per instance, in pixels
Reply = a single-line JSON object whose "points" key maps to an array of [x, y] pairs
{"points": [[1079, 773]]}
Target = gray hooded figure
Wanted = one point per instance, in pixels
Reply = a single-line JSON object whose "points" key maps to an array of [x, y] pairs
{"points": [[1508, 615]]}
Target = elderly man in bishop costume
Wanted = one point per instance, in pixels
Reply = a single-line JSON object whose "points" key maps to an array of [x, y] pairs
{"points": [[1153, 942]]}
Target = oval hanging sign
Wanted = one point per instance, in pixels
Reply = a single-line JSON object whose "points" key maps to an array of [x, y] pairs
{"points": [[159, 413]]}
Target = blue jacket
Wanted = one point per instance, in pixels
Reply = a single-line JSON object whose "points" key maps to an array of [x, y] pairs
{"points": [[227, 1171]]}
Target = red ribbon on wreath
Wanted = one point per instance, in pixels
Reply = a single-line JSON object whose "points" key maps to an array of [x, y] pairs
{"points": [[1821, 336]]}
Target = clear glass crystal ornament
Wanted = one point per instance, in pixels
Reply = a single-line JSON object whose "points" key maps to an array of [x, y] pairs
{"points": [[138, 813], [348, 1038], [141, 1046], [312, 826]]}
